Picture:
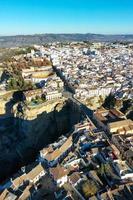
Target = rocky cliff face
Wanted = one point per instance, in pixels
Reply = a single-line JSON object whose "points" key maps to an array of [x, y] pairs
{"points": [[35, 128]]}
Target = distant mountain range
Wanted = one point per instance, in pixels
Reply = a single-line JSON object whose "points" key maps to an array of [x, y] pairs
{"points": [[24, 40]]}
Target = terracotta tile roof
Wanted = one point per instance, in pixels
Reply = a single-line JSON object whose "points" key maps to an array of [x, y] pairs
{"points": [[26, 193], [4, 194], [66, 145], [35, 172], [58, 172], [74, 178], [19, 181], [58, 152], [102, 109], [54, 155], [117, 112], [100, 117], [47, 150]]}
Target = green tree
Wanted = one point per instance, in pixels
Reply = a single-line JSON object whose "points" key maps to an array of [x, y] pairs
{"points": [[127, 104], [110, 101]]}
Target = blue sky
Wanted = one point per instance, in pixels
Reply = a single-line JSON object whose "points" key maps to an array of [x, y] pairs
{"points": [[66, 16]]}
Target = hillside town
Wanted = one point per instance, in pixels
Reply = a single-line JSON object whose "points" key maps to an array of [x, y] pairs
{"points": [[84, 165], [94, 160]]}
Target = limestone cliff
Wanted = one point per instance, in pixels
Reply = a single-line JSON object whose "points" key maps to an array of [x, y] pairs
{"points": [[35, 127]]}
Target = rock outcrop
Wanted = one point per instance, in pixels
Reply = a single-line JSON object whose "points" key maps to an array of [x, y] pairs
{"points": [[33, 129]]}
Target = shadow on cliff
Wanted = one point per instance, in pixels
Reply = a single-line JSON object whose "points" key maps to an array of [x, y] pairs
{"points": [[27, 137]]}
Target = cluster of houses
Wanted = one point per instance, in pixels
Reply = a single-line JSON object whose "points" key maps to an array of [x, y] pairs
{"points": [[95, 160], [96, 71], [51, 91], [119, 128], [90, 162], [50, 86]]}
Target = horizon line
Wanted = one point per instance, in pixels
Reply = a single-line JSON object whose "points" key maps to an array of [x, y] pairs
{"points": [[72, 33]]}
